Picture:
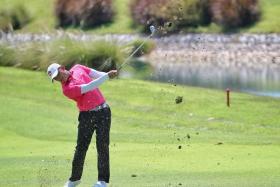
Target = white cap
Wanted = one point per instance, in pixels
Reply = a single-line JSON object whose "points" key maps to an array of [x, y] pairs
{"points": [[53, 70]]}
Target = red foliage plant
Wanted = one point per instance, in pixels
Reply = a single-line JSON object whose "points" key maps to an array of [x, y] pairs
{"points": [[84, 13], [234, 13]]}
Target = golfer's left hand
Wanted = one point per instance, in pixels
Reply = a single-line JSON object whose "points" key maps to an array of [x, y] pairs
{"points": [[113, 73]]}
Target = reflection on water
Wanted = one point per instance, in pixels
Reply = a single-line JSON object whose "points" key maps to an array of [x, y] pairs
{"points": [[264, 93], [261, 81], [248, 63]]}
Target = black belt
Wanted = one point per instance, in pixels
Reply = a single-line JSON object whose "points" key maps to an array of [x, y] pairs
{"points": [[102, 106]]}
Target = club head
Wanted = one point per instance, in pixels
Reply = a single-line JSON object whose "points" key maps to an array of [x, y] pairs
{"points": [[152, 29]]}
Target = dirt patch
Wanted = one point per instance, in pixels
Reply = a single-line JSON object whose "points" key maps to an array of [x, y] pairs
{"points": [[179, 99]]}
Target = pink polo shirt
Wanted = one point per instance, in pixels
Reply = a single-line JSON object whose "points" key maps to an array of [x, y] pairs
{"points": [[72, 89]]}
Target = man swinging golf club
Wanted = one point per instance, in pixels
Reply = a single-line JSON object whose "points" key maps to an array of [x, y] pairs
{"points": [[80, 84]]}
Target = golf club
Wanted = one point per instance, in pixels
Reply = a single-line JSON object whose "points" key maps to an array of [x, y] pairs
{"points": [[153, 30]]}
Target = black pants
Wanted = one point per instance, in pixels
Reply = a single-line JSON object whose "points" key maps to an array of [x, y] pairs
{"points": [[99, 121]]}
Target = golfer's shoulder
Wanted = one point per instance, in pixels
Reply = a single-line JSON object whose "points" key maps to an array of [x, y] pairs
{"points": [[79, 67]]}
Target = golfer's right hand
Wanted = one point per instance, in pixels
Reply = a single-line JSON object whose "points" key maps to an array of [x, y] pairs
{"points": [[112, 74]]}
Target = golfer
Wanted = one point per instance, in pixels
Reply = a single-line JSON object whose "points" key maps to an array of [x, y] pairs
{"points": [[80, 84]]}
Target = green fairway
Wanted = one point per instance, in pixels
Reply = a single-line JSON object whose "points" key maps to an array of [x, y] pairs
{"points": [[42, 12], [154, 142]]}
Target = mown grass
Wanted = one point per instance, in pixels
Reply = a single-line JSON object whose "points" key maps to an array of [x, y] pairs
{"points": [[44, 20], [38, 133]]}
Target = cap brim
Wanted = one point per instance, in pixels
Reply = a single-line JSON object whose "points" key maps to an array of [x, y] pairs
{"points": [[54, 74]]}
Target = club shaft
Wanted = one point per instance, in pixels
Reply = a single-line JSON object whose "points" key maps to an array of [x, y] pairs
{"points": [[132, 54]]}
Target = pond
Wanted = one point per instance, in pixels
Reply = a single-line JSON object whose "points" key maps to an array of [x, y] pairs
{"points": [[264, 81], [246, 63]]}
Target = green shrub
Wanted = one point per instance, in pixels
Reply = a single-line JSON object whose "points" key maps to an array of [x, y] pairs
{"points": [[28, 56], [105, 56], [5, 24], [65, 52], [194, 13], [137, 68], [13, 18], [7, 55], [146, 48], [100, 55], [140, 69], [205, 14], [235, 13]]}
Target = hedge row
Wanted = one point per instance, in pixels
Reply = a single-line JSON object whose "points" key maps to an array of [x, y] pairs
{"points": [[68, 13], [168, 15], [174, 15]]}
